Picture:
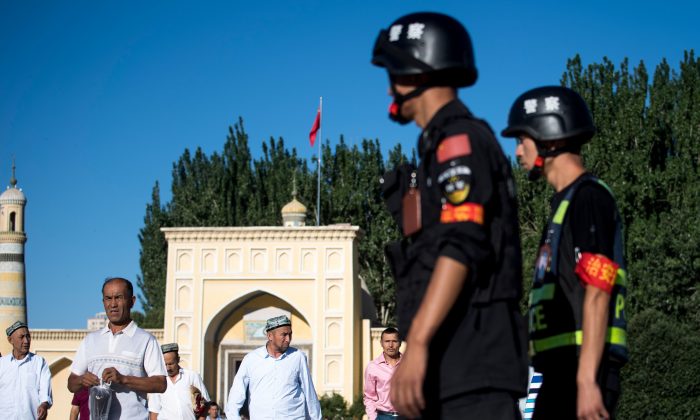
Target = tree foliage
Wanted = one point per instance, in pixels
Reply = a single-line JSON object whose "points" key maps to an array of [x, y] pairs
{"points": [[232, 188], [153, 260]]}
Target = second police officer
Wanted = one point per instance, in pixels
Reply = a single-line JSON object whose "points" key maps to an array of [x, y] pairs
{"points": [[577, 318], [458, 269]]}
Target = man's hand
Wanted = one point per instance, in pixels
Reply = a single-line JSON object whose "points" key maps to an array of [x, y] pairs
{"points": [[112, 375], [406, 393], [89, 379], [589, 402], [42, 411]]}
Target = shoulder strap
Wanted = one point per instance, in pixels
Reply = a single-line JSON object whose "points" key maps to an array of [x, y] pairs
{"points": [[555, 226]]}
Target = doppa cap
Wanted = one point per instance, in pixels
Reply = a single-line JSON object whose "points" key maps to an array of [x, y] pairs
{"points": [[167, 348], [14, 327], [276, 322]]}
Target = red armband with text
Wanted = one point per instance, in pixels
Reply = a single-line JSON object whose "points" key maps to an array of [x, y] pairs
{"points": [[597, 270]]}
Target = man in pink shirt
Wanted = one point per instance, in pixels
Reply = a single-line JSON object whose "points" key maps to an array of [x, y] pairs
{"points": [[378, 378]]}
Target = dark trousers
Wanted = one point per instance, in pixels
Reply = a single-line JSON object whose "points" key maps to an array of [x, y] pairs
{"points": [[556, 398], [487, 404]]}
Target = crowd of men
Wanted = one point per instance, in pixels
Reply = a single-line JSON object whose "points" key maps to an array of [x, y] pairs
{"points": [[132, 377], [457, 270]]}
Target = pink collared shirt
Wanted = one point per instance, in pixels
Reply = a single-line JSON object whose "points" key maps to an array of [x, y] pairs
{"points": [[377, 385]]}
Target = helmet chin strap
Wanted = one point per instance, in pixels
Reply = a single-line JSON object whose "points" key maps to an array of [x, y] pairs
{"points": [[538, 167], [395, 107], [536, 172]]}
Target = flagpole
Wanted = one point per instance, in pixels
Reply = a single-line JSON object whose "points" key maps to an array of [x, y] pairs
{"points": [[318, 186]]}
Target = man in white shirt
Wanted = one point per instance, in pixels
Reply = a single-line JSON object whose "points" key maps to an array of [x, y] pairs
{"points": [[121, 354], [25, 379], [183, 385], [277, 378]]}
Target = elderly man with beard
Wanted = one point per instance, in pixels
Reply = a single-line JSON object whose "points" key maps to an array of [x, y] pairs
{"points": [[184, 386], [276, 378], [121, 354], [25, 379]]}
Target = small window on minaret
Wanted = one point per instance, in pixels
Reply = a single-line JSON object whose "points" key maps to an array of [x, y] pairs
{"points": [[12, 222]]}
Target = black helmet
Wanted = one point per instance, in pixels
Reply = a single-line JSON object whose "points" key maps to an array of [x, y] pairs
{"points": [[550, 113], [427, 43]]}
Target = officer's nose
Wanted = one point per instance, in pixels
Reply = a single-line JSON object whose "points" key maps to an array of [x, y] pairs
{"points": [[519, 150]]}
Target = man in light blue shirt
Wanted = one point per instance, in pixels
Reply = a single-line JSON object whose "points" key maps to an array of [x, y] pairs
{"points": [[25, 379], [276, 378]]}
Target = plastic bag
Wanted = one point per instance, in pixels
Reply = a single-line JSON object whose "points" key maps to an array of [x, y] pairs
{"points": [[100, 401]]}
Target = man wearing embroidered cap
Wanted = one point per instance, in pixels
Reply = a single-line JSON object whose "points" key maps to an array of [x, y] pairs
{"points": [[458, 268], [276, 379], [186, 395], [25, 379], [577, 317]]}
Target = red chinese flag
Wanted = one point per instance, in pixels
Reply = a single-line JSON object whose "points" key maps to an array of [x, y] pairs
{"points": [[315, 128]]}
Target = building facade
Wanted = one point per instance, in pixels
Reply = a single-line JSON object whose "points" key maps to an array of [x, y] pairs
{"points": [[223, 283]]}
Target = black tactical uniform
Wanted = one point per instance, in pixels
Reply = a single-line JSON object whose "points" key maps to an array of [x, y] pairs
{"points": [[467, 213], [581, 244]]}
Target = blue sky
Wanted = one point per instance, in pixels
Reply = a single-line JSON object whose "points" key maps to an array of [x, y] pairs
{"points": [[98, 99]]}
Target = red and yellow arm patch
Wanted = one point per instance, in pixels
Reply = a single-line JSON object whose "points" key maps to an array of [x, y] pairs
{"points": [[467, 212], [597, 270], [453, 147]]}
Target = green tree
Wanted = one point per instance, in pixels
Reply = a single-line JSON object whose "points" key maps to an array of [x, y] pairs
{"points": [[153, 260], [233, 189], [661, 380], [239, 182]]}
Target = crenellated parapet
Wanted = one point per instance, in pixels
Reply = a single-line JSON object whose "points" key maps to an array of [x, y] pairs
{"points": [[265, 233]]}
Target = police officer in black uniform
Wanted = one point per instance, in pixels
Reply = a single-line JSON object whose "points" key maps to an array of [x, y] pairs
{"points": [[458, 269], [577, 317]]}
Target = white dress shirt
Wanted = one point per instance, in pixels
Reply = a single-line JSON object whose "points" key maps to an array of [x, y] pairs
{"points": [[133, 352], [176, 401], [279, 388], [24, 385]]}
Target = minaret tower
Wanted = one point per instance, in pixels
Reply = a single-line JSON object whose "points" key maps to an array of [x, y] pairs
{"points": [[13, 303]]}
